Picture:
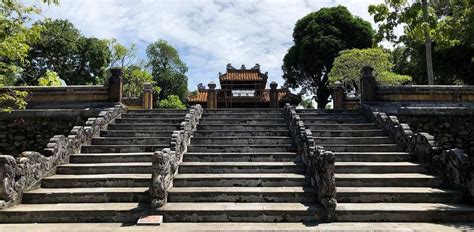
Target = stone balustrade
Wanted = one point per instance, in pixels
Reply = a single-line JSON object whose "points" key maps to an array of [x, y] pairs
{"points": [[320, 164], [165, 162], [21, 173], [53, 96], [454, 166]]}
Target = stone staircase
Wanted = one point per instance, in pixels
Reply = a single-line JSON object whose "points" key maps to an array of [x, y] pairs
{"points": [[241, 166], [376, 180], [108, 180]]}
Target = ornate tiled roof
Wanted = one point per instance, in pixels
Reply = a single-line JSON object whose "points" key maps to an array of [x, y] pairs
{"points": [[243, 74], [201, 96], [240, 76]]}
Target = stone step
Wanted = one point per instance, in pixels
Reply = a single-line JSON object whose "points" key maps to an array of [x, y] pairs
{"points": [[361, 147], [242, 212], [131, 140], [111, 157], [242, 121], [96, 180], [379, 167], [241, 148], [122, 148], [144, 127], [155, 115], [267, 140], [135, 133], [105, 168], [396, 195], [241, 157], [240, 133], [353, 140], [386, 180], [241, 180], [242, 194], [74, 213], [347, 133], [341, 126], [372, 156], [242, 127], [327, 111], [158, 111], [86, 195], [250, 111], [334, 120], [404, 212], [241, 115], [149, 120], [325, 117], [241, 167]]}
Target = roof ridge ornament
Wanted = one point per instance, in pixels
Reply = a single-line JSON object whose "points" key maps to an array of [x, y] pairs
{"points": [[257, 67], [230, 67]]}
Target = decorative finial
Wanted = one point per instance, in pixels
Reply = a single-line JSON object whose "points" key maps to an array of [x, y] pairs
{"points": [[242, 67]]}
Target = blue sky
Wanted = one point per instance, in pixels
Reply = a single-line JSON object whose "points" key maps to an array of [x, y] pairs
{"points": [[208, 34]]}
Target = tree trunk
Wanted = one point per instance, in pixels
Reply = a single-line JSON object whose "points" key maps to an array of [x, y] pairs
{"points": [[429, 60], [322, 96]]}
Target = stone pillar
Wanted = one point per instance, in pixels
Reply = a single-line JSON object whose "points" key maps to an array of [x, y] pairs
{"points": [[273, 95], [367, 85], [212, 96], [338, 96], [147, 101], [115, 85]]}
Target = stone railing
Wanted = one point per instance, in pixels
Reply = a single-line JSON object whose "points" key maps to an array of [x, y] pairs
{"points": [[371, 92], [454, 166], [431, 93], [24, 172], [320, 164], [165, 162], [73, 94]]}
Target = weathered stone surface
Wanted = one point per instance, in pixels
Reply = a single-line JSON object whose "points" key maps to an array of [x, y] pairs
{"points": [[320, 164], [454, 166], [165, 162], [21, 173]]}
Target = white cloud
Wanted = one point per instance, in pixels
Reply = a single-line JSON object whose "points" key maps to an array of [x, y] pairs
{"points": [[208, 34]]}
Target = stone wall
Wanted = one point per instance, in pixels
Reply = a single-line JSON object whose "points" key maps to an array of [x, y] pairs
{"points": [[444, 93], [451, 124], [449, 131], [454, 166], [31, 130]]}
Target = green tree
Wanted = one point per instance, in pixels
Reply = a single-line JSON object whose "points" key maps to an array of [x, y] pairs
{"points": [[307, 103], [348, 64], [50, 78], [167, 69], [448, 23], [14, 47], [78, 60], [451, 65], [318, 38], [121, 56], [171, 102], [135, 78]]}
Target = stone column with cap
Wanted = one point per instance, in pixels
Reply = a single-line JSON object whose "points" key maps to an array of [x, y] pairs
{"points": [[147, 102], [367, 85], [115, 85], [338, 95], [212, 96], [273, 95]]}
